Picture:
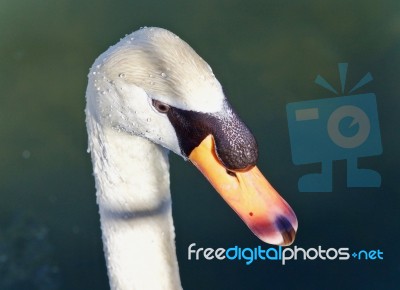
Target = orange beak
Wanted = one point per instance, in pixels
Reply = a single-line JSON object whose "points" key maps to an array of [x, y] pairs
{"points": [[249, 194]]}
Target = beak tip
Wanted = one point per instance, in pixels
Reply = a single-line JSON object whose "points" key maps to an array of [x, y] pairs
{"points": [[288, 237], [286, 229], [281, 232]]}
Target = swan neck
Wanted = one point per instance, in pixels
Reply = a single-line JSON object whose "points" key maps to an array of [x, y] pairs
{"points": [[132, 182]]}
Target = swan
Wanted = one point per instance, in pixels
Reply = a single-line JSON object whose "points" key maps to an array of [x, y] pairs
{"points": [[147, 95]]}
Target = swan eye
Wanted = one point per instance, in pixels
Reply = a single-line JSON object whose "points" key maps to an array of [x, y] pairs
{"points": [[160, 107]]}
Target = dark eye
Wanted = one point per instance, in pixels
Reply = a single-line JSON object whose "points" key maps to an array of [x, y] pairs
{"points": [[160, 107]]}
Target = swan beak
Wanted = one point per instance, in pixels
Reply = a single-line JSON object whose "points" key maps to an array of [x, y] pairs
{"points": [[249, 194]]}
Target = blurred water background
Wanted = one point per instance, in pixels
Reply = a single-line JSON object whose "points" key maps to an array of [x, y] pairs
{"points": [[266, 54]]}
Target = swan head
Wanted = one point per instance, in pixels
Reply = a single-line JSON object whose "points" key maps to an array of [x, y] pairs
{"points": [[154, 85]]}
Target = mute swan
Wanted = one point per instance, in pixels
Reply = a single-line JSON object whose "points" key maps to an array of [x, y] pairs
{"points": [[146, 95]]}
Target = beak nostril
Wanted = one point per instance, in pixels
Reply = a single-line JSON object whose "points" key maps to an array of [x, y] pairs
{"points": [[231, 173]]}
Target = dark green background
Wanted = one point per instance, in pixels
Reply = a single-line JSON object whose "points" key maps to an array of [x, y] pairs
{"points": [[266, 54]]}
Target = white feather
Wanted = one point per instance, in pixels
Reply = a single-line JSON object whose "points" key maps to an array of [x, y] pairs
{"points": [[128, 141]]}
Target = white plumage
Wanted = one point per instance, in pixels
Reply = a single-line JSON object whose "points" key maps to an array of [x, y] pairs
{"points": [[130, 169]]}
